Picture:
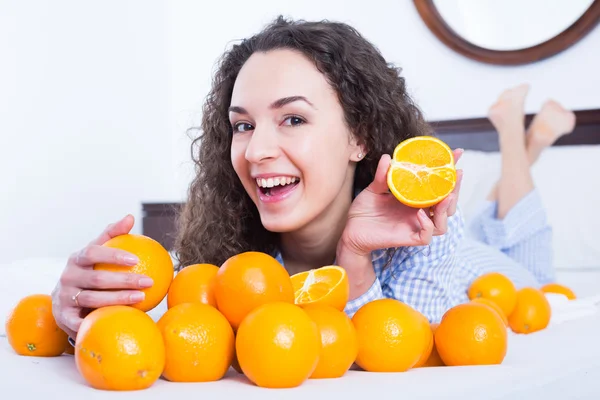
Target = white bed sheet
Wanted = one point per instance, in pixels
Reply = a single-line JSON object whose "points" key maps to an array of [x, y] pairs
{"points": [[561, 362]]}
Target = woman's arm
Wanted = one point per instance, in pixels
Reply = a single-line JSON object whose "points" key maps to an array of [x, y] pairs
{"points": [[419, 276]]}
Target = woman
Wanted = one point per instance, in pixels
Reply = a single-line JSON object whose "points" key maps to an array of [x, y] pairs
{"points": [[296, 139], [513, 219]]}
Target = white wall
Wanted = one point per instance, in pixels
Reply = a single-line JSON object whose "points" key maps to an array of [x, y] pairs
{"points": [[95, 98], [83, 120], [445, 84]]}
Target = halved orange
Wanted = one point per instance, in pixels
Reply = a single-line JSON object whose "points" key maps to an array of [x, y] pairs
{"points": [[324, 286], [422, 172]]}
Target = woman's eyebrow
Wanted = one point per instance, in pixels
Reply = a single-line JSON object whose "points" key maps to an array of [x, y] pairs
{"points": [[238, 110], [290, 99], [275, 105]]}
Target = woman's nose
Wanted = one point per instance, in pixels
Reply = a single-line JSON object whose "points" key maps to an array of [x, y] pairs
{"points": [[263, 145]]}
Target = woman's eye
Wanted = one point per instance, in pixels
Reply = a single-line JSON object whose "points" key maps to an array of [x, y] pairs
{"points": [[242, 127], [293, 121]]}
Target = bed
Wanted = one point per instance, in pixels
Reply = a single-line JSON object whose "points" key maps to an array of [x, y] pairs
{"points": [[562, 361]]}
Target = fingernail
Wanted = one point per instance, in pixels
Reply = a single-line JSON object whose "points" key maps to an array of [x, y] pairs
{"points": [[137, 297], [129, 259], [422, 213], [146, 282]]}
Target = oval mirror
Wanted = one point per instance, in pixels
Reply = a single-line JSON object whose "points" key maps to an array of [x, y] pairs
{"points": [[509, 32]]}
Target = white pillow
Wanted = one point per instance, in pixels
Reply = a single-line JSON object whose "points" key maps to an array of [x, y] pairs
{"points": [[566, 177]]}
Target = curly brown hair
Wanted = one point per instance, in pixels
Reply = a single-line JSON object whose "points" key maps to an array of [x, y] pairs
{"points": [[219, 219]]}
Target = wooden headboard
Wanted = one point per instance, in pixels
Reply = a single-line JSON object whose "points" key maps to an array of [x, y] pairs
{"points": [[158, 219]]}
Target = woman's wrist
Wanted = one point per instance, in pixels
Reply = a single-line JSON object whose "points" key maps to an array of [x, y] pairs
{"points": [[359, 268]]}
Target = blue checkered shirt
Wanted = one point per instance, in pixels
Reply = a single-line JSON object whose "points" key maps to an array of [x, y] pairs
{"points": [[417, 276], [436, 277]]}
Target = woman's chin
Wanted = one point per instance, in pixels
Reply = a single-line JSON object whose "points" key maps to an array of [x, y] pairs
{"points": [[279, 224]]}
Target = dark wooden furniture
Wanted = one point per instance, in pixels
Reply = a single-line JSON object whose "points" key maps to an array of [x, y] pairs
{"points": [[159, 222], [159, 219], [479, 134], [436, 24]]}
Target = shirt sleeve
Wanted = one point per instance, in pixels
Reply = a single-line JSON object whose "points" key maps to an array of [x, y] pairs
{"points": [[420, 276], [375, 292]]}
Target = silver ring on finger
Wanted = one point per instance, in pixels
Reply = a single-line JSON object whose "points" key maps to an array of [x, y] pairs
{"points": [[74, 298]]}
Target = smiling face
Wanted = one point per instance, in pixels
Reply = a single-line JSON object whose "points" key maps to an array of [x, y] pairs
{"points": [[291, 148]]}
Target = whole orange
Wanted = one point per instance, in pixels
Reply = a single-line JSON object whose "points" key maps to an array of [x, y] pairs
{"points": [[155, 262], [426, 355], [496, 287], [235, 363], [119, 348], [434, 359], [31, 329], [278, 345], [494, 306], [199, 343], [248, 280], [392, 336], [471, 334], [532, 312], [559, 289], [194, 283], [339, 343]]}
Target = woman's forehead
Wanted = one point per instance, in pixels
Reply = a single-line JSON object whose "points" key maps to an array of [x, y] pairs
{"points": [[267, 77]]}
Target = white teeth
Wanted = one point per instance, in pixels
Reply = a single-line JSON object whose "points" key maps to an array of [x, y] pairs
{"points": [[276, 181]]}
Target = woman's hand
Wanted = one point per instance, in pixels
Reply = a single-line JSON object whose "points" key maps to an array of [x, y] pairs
{"points": [[377, 220], [81, 288]]}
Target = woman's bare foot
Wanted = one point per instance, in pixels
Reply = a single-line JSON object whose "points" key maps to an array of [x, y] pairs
{"points": [[508, 117], [507, 114], [552, 122]]}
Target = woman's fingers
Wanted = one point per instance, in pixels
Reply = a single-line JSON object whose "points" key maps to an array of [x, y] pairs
{"points": [[121, 227], [379, 184], [440, 215], [94, 254], [456, 193], [91, 279], [71, 321], [424, 235], [96, 298], [74, 292], [457, 154]]}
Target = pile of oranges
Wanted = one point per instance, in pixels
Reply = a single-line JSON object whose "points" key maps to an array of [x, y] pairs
{"points": [[276, 329]]}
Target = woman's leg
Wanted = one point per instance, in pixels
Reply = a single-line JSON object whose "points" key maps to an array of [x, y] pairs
{"points": [[508, 117], [552, 122], [523, 232]]}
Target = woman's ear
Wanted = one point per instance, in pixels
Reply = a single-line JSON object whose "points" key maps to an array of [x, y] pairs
{"points": [[359, 150], [358, 155]]}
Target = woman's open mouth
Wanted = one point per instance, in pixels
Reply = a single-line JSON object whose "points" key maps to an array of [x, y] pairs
{"points": [[276, 188]]}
